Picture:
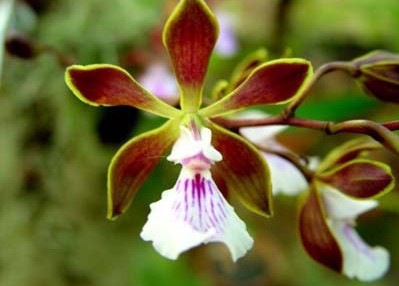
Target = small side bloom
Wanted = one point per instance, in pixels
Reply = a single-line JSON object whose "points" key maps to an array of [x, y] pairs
{"points": [[194, 211], [345, 186]]}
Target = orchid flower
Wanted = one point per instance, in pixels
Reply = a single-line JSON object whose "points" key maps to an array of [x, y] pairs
{"points": [[227, 44], [345, 186], [193, 212], [286, 178], [159, 80]]}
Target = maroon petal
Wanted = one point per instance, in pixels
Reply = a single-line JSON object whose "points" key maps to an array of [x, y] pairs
{"points": [[316, 236], [360, 178], [189, 36], [274, 82], [133, 163], [111, 85], [347, 152], [242, 171]]}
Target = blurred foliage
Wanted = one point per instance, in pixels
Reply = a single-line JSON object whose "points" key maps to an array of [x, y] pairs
{"points": [[54, 156]]}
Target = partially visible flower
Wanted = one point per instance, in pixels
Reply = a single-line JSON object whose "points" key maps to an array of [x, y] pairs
{"points": [[345, 186], [6, 9], [20, 46], [159, 80], [286, 178], [378, 74], [359, 259], [194, 211], [189, 36], [227, 44]]}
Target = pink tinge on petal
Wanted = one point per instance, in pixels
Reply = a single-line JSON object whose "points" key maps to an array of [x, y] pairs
{"points": [[198, 162], [356, 241]]}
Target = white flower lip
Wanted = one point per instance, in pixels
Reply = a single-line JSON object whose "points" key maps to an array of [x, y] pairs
{"points": [[194, 212], [359, 259]]}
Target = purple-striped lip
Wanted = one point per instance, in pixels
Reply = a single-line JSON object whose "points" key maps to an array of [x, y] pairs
{"points": [[201, 204]]}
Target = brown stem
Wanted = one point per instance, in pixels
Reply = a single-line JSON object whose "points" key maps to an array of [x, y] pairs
{"points": [[350, 126], [380, 132], [273, 120], [320, 71], [292, 158], [393, 125], [281, 24]]}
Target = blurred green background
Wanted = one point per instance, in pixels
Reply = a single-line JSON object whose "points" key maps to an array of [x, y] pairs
{"points": [[55, 150]]}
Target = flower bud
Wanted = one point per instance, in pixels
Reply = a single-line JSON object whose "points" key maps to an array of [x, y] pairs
{"points": [[20, 46], [378, 74]]}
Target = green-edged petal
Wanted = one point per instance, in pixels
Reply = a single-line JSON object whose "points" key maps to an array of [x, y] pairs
{"points": [[246, 66], [381, 82], [189, 36], [378, 74], [348, 151], [385, 70], [360, 178], [274, 82], [109, 85], [244, 170], [316, 236], [132, 164]]}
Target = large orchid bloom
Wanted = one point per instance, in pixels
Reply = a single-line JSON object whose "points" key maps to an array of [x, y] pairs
{"points": [[344, 188], [193, 211]]}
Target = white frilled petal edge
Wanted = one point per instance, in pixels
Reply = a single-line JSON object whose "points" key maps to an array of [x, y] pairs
{"points": [[194, 212], [359, 259]]}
